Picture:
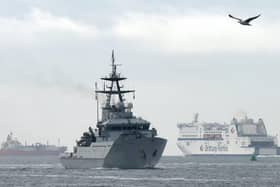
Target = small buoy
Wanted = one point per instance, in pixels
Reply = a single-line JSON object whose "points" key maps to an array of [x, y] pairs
{"points": [[253, 158]]}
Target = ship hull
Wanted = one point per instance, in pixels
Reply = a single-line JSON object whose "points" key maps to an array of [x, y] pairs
{"points": [[127, 152], [130, 152], [81, 163], [208, 148], [30, 152]]}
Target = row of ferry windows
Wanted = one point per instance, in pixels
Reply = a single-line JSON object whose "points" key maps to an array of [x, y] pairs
{"points": [[228, 142]]}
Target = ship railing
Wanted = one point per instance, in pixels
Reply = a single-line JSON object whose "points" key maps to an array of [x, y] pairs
{"points": [[263, 139]]}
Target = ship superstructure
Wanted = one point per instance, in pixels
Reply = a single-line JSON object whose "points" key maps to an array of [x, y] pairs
{"points": [[120, 140], [240, 137], [13, 147]]}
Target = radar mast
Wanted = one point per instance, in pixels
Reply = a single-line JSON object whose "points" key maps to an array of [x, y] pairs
{"points": [[113, 87]]}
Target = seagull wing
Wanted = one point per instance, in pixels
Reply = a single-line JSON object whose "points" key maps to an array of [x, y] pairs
{"points": [[234, 17], [252, 18]]}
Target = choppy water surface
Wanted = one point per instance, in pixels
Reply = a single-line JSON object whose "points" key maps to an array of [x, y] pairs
{"points": [[171, 171]]}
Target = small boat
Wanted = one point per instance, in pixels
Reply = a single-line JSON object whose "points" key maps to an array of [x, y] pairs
{"points": [[253, 158]]}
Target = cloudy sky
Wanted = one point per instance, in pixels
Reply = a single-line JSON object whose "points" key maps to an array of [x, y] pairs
{"points": [[181, 57]]}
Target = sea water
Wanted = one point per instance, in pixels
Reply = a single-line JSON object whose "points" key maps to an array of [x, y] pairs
{"points": [[171, 171]]}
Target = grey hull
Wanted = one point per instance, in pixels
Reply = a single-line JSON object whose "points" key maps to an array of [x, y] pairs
{"points": [[127, 152], [134, 152], [81, 163]]}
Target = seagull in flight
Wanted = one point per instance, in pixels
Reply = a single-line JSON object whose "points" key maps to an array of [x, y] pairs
{"points": [[245, 21]]}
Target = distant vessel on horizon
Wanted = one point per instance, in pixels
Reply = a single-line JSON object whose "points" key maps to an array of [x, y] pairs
{"points": [[12, 147], [240, 137]]}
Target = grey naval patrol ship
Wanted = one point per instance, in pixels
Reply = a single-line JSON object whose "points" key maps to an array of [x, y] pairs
{"points": [[120, 139]]}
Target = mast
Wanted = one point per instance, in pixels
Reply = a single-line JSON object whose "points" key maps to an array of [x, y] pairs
{"points": [[97, 103], [114, 78]]}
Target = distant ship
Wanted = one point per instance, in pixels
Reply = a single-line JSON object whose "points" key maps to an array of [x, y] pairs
{"points": [[12, 147], [240, 137], [121, 140]]}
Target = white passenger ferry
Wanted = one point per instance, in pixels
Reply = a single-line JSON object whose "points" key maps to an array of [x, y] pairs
{"points": [[240, 137]]}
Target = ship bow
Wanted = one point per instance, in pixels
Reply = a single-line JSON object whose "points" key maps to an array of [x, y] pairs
{"points": [[135, 152]]}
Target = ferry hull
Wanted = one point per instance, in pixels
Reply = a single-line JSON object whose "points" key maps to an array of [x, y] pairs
{"points": [[214, 148]]}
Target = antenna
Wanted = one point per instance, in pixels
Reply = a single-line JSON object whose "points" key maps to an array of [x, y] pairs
{"points": [[113, 57], [97, 102], [195, 120], [114, 67]]}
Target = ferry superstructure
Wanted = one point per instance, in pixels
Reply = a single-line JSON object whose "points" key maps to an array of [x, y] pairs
{"points": [[120, 140], [240, 137]]}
